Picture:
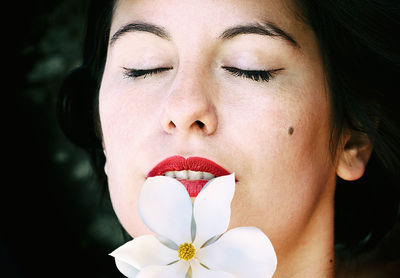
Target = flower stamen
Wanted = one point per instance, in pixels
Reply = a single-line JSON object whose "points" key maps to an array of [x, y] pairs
{"points": [[186, 251]]}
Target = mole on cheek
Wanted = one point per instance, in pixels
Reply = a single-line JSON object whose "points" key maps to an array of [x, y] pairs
{"points": [[290, 130]]}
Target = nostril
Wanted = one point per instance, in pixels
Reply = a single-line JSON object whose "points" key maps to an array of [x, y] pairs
{"points": [[171, 125], [200, 124]]}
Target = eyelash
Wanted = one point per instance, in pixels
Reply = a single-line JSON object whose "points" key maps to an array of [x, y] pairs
{"points": [[136, 73], [255, 75]]}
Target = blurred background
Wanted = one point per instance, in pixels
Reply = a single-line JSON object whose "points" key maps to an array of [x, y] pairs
{"points": [[54, 220]]}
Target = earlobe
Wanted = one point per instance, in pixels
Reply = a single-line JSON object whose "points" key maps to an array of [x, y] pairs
{"points": [[354, 157]]}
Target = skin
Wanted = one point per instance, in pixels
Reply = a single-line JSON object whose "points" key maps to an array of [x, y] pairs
{"points": [[273, 135]]}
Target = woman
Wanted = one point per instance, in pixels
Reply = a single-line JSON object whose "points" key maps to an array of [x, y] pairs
{"points": [[294, 97]]}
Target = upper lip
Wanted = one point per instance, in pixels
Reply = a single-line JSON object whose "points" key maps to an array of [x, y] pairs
{"points": [[179, 163]]}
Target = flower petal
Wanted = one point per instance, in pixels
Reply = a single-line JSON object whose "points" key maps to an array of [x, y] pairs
{"points": [[144, 251], [199, 271], [165, 207], [244, 252], [212, 208], [126, 269], [176, 270]]}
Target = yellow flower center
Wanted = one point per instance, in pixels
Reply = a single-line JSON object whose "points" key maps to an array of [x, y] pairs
{"points": [[186, 251]]}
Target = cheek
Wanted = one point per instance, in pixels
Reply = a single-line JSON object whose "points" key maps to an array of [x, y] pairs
{"points": [[125, 119], [289, 166], [127, 116]]}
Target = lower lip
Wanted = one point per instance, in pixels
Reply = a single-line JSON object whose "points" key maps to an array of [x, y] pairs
{"points": [[193, 187]]}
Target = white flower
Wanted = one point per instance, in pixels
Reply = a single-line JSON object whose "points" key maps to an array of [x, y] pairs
{"points": [[193, 240]]}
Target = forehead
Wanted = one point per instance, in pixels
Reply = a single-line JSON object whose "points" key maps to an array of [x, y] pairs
{"points": [[207, 16]]}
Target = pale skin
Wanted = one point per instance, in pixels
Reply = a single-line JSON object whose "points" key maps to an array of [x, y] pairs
{"points": [[273, 135]]}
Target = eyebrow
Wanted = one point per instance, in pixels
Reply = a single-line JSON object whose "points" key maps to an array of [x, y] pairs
{"points": [[266, 29], [140, 27]]}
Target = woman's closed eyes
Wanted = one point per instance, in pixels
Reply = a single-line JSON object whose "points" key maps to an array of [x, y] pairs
{"points": [[255, 75], [136, 73]]}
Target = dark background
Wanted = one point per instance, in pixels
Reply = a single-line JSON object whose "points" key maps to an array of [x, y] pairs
{"points": [[54, 220]]}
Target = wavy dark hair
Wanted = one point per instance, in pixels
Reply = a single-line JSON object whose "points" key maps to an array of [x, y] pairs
{"points": [[362, 62]]}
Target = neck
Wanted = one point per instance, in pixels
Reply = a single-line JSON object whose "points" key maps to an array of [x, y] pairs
{"points": [[313, 254]]}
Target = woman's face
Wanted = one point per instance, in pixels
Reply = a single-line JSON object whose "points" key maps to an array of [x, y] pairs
{"points": [[252, 99]]}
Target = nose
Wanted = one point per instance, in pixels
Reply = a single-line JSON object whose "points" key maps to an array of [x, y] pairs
{"points": [[189, 107]]}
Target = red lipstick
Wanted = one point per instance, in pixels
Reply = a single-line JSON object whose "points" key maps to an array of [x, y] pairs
{"points": [[179, 163]]}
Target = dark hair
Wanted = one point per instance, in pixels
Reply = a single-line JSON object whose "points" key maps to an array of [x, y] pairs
{"points": [[77, 105], [361, 58]]}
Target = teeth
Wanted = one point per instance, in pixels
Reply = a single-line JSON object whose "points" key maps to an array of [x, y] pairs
{"points": [[208, 176], [193, 175], [189, 175], [170, 174], [182, 175]]}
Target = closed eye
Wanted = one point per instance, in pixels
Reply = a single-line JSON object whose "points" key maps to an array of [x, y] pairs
{"points": [[136, 73], [255, 75]]}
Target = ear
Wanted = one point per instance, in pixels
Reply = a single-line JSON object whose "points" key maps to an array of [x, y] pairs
{"points": [[354, 156]]}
